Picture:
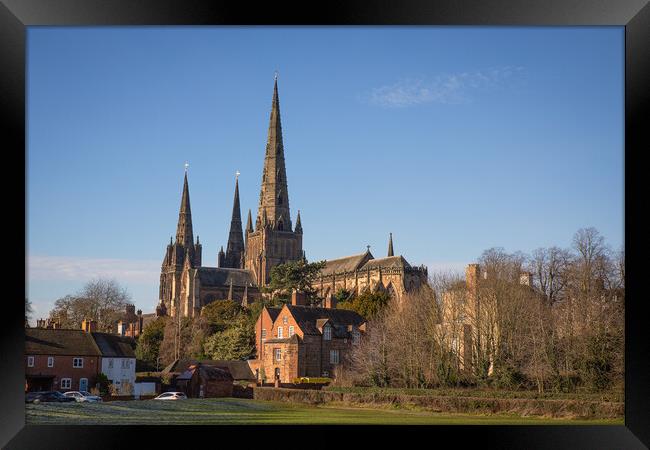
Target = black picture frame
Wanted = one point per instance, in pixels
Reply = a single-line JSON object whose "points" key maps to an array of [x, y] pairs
{"points": [[16, 15]]}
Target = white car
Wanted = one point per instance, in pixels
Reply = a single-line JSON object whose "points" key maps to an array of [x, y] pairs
{"points": [[83, 396], [171, 396]]}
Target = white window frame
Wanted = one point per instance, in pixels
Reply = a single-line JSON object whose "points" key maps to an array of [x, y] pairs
{"points": [[278, 354], [66, 383], [263, 333], [77, 366], [327, 332], [291, 331], [280, 333], [335, 357], [30, 361], [50, 361]]}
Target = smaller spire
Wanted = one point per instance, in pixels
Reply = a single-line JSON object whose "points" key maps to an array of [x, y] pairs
{"points": [[244, 300], [298, 224], [390, 245], [197, 240], [171, 240], [249, 224]]}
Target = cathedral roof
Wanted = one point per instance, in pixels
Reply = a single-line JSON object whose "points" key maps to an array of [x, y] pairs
{"points": [[346, 264], [218, 276], [388, 262]]}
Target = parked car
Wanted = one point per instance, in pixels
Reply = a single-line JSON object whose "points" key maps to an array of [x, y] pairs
{"points": [[171, 396], [47, 396], [83, 396]]}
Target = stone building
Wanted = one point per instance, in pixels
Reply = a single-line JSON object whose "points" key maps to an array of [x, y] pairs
{"points": [[364, 272], [463, 314], [304, 341], [186, 285]]}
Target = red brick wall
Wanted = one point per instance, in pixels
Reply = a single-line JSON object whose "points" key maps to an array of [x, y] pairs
{"points": [[63, 369]]}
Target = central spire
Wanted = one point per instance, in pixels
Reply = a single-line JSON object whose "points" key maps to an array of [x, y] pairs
{"points": [[184, 235], [235, 246], [274, 197]]}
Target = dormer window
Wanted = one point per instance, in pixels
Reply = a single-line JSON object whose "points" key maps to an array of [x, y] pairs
{"points": [[327, 333]]}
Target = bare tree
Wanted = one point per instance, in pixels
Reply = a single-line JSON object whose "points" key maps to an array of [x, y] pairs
{"points": [[101, 300]]}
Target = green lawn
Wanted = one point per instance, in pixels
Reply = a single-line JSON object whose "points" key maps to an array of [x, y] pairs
{"points": [[233, 411]]}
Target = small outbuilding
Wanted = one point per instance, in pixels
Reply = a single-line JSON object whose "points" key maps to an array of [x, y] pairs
{"points": [[203, 381]]}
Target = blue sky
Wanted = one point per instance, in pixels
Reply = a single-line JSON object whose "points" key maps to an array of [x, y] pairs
{"points": [[455, 139]]}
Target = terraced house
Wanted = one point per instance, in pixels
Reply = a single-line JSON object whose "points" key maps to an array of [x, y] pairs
{"points": [[66, 360], [304, 341]]}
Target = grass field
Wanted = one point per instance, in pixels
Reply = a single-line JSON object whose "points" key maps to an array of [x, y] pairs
{"points": [[233, 411]]}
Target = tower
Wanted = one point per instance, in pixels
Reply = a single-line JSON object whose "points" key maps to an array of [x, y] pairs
{"points": [[235, 247], [273, 241], [181, 252]]}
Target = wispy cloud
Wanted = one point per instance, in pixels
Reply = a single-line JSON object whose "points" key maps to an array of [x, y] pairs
{"points": [[445, 88], [59, 268]]}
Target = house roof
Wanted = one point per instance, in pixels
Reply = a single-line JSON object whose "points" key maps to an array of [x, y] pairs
{"points": [[46, 341], [346, 264], [239, 370], [273, 312], [113, 345], [218, 276], [388, 262], [207, 372], [147, 319], [307, 318]]}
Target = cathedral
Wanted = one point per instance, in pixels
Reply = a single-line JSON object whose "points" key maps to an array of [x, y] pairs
{"points": [[186, 286]]}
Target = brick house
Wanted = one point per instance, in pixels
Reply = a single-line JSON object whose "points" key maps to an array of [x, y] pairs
{"points": [[61, 360], [304, 341]]}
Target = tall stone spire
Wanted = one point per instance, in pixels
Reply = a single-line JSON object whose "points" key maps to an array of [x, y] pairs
{"points": [[235, 246], [274, 196], [184, 235], [390, 245]]}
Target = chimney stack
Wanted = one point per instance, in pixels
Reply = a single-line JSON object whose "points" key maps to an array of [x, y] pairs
{"points": [[330, 301], [89, 326], [298, 298]]}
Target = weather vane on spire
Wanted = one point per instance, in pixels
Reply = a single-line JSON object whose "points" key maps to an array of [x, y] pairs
{"points": [[187, 165], [237, 175]]}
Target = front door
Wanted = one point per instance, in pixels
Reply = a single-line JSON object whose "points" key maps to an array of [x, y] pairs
{"points": [[83, 384]]}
